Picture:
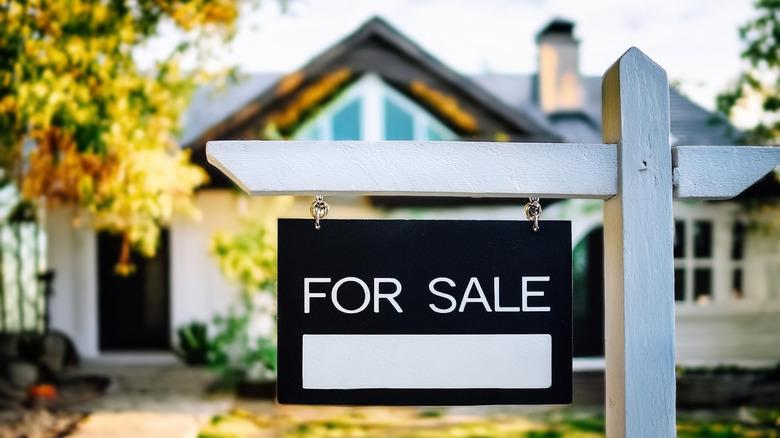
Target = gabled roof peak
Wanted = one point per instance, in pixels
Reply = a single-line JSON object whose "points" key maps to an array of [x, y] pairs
{"points": [[376, 20]]}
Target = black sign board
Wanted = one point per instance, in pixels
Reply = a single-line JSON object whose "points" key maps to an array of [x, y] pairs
{"points": [[424, 312]]}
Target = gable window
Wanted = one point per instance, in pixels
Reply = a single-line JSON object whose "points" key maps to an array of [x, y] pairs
{"points": [[399, 124], [372, 110], [346, 122]]}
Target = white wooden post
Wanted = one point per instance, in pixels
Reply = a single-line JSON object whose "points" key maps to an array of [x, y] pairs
{"points": [[633, 171], [638, 242]]}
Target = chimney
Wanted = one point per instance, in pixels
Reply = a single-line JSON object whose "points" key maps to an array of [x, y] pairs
{"points": [[559, 83]]}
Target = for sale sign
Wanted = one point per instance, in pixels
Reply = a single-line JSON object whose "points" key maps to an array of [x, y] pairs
{"points": [[419, 312]]}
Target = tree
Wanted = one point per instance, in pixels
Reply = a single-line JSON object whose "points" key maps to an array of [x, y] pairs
{"points": [[248, 256], [81, 123], [243, 348], [757, 91], [758, 88]]}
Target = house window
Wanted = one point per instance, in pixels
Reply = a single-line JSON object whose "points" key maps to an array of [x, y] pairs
{"points": [[708, 260], [399, 124], [679, 284], [738, 234], [702, 257], [372, 110], [346, 122], [436, 135], [693, 261]]}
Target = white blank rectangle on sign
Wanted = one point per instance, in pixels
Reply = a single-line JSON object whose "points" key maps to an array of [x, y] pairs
{"points": [[427, 361]]}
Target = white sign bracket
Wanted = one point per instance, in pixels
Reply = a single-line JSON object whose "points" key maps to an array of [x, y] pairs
{"points": [[474, 169]]}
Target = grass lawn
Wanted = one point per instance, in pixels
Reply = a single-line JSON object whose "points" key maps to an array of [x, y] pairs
{"points": [[305, 422]]}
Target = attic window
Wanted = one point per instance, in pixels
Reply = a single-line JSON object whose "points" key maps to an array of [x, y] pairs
{"points": [[371, 110], [346, 122], [399, 124]]}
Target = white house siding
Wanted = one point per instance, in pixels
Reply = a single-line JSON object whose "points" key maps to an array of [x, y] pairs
{"points": [[198, 289], [72, 253], [745, 331], [746, 334], [725, 331], [722, 332]]}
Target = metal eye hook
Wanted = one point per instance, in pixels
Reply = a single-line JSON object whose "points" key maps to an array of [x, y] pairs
{"points": [[533, 211], [319, 210]]}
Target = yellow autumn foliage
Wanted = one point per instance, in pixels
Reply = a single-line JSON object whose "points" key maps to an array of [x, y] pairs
{"points": [[81, 123], [248, 255]]}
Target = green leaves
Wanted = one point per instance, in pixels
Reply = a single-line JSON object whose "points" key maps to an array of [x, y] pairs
{"points": [[758, 89], [238, 354], [104, 130], [248, 256]]}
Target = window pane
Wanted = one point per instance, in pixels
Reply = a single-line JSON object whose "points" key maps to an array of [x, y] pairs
{"points": [[679, 284], [702, 285], [399, 124], [679, 239], [434, 134], [702, 239], [346, 122], [736, 284], [738, 241]]}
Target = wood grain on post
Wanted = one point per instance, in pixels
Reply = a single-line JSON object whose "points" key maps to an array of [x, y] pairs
{"points": [[638, 263]]}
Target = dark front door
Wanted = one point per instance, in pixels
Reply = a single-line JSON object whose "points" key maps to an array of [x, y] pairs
{"points": [[134, 309], [588, 270]]}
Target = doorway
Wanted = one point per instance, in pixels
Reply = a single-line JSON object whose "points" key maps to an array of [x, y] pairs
{"points": [[134, 310], [588, 270]]}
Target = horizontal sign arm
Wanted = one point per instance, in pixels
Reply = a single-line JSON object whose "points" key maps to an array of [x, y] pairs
{"points": [[720, 172], [478, 169], [455, 168]]}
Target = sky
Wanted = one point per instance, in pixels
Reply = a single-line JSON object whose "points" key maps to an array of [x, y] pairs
{"points": [[696, 41]]}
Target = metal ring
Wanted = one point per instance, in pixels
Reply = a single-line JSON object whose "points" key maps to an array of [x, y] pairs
{"points": [[533, 211], [319, 210]]}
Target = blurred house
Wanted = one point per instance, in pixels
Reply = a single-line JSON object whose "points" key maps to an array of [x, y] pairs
{"points": [[377, 84]]}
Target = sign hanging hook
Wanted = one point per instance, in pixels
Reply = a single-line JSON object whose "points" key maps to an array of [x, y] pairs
{"points": [[319, 210], [533, 211]]}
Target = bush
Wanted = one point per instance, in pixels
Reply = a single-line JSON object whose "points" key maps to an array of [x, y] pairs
{"points": [[193, 343], [240, 351]]}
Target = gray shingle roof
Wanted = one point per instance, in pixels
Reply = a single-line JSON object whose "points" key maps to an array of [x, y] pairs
{"points": [[210, 105], [690, 123]]}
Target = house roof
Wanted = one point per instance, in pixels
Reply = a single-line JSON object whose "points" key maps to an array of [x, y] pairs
{"points": [[690, 123], [378, 47], [504, 103], [375, 47], [210, 104]]}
